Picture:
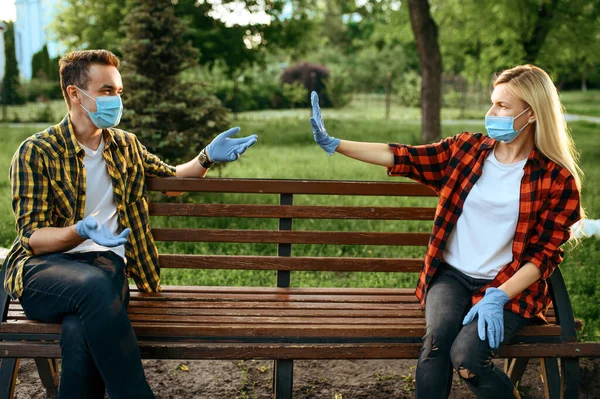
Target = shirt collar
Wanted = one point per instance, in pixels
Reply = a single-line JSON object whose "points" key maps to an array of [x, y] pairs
{"points": [[535, 155], [72, 147]]}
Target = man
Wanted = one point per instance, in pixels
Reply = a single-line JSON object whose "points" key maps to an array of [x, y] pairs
{"points": [[81, 213]]}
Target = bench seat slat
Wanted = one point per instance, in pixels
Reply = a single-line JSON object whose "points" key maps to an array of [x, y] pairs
{"points": [[266, 330], [240, 317], [311, 351], [304, 263], [290, 237]]}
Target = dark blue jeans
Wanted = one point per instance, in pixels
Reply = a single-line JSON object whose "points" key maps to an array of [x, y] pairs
{"points": [[88, 293], [448, 344]]}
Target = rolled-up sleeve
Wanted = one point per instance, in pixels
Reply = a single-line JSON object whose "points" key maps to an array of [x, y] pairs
{"points": [[423, 163], [31, 194], [553, 227]]}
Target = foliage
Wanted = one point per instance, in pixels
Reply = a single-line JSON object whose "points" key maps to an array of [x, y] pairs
{"points": [[311, 76], [338, 88], [173, 118], [10, 84], [91, 24], [480, 37], [40, 89], [408, 90], [294, 93]]}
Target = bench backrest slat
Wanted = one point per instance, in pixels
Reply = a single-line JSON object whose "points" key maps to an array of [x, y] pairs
{"points": [[291, 211], [304, 263], [266, 186], [290, 237]]}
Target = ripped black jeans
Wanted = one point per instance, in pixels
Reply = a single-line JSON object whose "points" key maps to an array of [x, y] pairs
{"points": [[447, 344]]}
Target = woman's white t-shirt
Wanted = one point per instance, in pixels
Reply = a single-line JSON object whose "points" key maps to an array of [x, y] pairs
{"points": [[481, 243], [99, 199]]}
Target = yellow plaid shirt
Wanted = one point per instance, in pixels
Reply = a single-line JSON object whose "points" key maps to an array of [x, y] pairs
{"points": [[48, 190]]}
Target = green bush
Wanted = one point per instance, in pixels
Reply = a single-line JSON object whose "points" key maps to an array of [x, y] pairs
{"points": [[408, 92], [38, 89], [294, 93], [339, 88]]}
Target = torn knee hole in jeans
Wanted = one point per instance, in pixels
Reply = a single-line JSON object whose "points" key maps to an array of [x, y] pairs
{"points": [[466, 374]]}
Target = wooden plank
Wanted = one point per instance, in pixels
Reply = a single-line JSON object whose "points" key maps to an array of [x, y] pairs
{"points": [[291, 211], [290, 237], [274, 320], [284, 290], [265, 330], [271, 305], [292, 186], [283, 297], [204, 350], [290, 263]]}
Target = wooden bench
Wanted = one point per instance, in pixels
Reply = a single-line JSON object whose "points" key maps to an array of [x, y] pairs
{"points": [[285, 322]]}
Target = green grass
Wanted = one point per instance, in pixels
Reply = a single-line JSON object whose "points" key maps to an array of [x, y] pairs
{"points": [[286, 150], [582, 103]]}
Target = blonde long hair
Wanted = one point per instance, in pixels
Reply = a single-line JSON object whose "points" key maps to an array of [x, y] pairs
{"points": [[552, 136]]}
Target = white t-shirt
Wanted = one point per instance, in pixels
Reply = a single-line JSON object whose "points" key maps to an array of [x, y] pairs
{"points": [[100, 200], [481, 243]]}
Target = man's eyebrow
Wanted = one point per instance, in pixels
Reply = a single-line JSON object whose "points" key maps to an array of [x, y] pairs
{"points": [[107, 86]]}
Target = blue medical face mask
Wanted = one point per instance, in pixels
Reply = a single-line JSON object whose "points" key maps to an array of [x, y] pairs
{"points": [[108, 110], [501, 128]]}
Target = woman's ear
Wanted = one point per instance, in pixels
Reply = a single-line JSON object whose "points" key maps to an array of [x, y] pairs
{"points": [[532, 117]]}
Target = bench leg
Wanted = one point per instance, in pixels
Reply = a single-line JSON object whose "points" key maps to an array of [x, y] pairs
{"points": [[515, 368], [570, 378], [48, 371], [551, 378], [283, 378], [9, 367]]}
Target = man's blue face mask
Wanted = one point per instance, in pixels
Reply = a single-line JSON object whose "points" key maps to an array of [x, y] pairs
{"points": [[108, 110], [501, 128]]}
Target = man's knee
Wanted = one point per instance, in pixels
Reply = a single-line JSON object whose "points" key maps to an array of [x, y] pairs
{"points": [[72, 335]]}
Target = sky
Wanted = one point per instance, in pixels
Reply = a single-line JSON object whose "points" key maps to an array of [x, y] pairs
{"points": [[8, 11], [232, 14]]}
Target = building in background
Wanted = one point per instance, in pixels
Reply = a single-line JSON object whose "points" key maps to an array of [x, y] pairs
{"points": [[2, 55], [31, 32]]}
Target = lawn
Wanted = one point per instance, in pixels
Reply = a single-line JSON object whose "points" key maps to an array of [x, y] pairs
{"points": [[285, 149]]}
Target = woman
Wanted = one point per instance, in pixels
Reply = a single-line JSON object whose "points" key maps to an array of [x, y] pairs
{"points": [[506, 204]]}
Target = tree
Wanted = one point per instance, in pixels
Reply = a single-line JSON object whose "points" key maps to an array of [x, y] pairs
{"points": [[10, 83], [91, 24], [40, 64], [175, 119], [426, 35]]}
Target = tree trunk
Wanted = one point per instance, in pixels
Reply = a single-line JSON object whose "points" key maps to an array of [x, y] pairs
{"points": [[533, 44], [426, 35]]}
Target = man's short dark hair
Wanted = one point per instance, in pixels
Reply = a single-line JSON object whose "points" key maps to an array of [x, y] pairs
{"points": [[74, 68]]}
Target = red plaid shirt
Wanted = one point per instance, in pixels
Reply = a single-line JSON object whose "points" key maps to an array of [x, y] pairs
{"points": [[549, 204]]}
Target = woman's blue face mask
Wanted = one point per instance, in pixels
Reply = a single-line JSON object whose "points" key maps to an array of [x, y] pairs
{"points": [[501, 128], [108, 110]]}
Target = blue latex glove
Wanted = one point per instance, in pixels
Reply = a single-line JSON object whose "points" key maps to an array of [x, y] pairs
{"points": [[225, 149], [328, 143], [89, 228], [491, 316]]}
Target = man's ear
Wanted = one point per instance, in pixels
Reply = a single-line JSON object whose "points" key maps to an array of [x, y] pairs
{"points": [[73, 94]]}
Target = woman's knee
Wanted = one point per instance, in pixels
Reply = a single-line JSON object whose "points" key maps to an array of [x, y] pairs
{"points": [[438, 340], [467, 358]]}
